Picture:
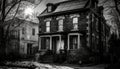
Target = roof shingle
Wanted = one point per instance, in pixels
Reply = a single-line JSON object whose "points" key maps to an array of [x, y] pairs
{"points": [[66, 6], [71, 5]]}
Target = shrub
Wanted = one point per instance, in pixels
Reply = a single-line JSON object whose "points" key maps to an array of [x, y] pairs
{"points": [[79, 56]]}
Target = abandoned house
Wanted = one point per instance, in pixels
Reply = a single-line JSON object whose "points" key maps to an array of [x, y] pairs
{"points": [[70, 25], [23, 37]]}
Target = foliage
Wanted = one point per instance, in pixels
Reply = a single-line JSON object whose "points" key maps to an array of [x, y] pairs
{"points": [[82, 56]]}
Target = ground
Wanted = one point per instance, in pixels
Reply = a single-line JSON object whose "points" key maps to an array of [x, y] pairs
{"points": [[51, 66], [57, 66]]}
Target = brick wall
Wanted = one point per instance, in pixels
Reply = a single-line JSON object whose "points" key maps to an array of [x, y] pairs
{"points": [[67, 25]]}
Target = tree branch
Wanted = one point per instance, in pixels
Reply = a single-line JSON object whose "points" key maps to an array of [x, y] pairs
{"points": [[11, 23], [116, 7], [3, 10], [11, 8]]}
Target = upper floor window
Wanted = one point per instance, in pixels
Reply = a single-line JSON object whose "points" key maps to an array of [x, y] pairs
{"points": [[23, 30], [33, 31], [75, 23], [60, 25], [48, 26]]}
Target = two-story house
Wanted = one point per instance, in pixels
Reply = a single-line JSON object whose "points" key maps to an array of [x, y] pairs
{"points": [[69, 25], [23, 37], [28, 38]]}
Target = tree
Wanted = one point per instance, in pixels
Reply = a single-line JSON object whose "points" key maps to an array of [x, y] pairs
{"points": [[8, 9], [4, 4], [114, 12], [111, 13]]}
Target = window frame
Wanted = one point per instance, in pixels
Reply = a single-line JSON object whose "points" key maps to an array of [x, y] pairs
{"points": [[49, 8], [73, 42], [60, 24], [45, 47], [78, 36], [47, 26], [75, 23]]}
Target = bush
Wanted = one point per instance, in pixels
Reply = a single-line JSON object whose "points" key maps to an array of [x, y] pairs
{"points": [[61, 57], [80, 56]]}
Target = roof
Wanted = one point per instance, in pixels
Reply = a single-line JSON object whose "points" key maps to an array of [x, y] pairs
{"points": [[66, 6], [19, 21], [70, 6]]}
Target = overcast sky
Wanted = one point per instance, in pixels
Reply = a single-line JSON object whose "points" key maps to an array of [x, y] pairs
{"points": [[42, 5]]}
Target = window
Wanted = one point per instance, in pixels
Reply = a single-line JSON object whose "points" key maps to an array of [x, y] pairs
{"points": [[49, 8], [73, 42], [33, 31], [48, 26], [23, 30], [45, 42], [75, 23], [60, 25], [16, 33]]}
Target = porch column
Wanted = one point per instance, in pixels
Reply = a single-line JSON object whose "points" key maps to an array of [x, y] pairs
{"points": [[78, 41], [60, 41], [39, 43], [50, 42], [68, 43]]}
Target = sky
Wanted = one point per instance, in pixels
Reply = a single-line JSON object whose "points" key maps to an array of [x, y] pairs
{"points": [[42, 6], [39, 8]]}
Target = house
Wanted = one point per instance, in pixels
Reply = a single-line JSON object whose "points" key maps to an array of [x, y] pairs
{"points": [[23, 37], [70, 25]]}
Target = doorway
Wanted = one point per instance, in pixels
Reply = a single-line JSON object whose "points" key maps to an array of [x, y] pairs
{"points": [[55, 44], [29, 48]]}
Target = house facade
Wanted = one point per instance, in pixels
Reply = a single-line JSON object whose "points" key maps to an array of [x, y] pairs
{"points": [[29, 38], [23, 37], [69, 26]]}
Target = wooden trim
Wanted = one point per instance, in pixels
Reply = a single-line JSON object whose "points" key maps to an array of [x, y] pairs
{"points": [[74, 15], [48, 19], [60, 17]]}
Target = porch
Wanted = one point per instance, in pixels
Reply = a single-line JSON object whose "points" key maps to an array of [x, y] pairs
{"points": [[54, 47], [59, 42]]}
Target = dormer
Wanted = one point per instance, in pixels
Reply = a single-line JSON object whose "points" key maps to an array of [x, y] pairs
{"points": [[50, 7]]}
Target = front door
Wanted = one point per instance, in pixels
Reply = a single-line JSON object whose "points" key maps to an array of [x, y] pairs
{"points": [[29, 48], [56, 44]]}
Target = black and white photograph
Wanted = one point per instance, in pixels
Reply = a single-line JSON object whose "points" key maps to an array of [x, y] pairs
{"points": [[59, 34]]}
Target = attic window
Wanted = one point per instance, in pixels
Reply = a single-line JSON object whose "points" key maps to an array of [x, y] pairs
{"points": [[49, 8]]}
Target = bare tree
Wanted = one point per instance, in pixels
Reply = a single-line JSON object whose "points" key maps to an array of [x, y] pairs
{"points": [[4, 28]]}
